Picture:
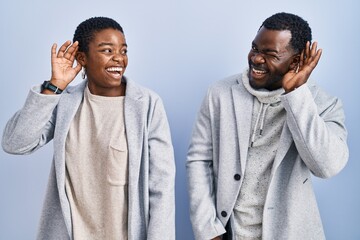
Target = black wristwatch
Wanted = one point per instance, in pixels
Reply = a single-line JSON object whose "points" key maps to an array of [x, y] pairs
{"points": [[48, 85]]}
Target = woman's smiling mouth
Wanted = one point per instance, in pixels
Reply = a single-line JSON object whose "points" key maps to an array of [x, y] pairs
{"points": [[115, 72]]}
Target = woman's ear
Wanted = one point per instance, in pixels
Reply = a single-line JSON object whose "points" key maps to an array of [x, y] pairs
{"points": [[81, 58]]}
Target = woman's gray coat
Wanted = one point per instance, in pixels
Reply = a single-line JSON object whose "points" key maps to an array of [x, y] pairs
{"points": [[151, 212], [313, 140]]}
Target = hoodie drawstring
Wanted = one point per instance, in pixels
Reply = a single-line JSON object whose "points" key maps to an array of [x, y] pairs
{"points": [[266, 106], [261, 115]]}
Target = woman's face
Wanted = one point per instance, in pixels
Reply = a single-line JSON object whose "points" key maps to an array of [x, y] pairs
{"points": [[106, 62]]}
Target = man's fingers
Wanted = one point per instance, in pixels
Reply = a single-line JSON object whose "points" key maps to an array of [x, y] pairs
{"points": [[313, 49], [316, 58], [307, 52], [315, 55], [301, 62]]}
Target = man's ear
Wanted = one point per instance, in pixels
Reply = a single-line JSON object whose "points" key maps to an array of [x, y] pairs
{"points": [[295, 62], [81, 58]]}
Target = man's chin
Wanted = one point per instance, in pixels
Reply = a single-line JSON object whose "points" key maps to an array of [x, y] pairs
{"points": [[254, 84]]}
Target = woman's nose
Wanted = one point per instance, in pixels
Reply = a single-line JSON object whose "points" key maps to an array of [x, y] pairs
{"points": [[118, 57]]}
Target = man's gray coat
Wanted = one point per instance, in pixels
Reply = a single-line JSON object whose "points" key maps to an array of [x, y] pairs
{"points": [[313, 140]]}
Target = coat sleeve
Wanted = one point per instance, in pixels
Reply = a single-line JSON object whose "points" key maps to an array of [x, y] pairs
{"points": [[317, 125], [32, 126], [201, 180], [161, 177]]}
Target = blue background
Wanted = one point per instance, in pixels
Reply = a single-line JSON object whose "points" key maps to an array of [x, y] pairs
{"points": [[177, 48]]}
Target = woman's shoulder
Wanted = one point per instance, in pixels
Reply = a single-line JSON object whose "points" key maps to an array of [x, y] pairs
{"points": [[136, 90]]}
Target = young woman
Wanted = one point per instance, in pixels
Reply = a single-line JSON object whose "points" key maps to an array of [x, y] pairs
{"points": [[113, 170]]}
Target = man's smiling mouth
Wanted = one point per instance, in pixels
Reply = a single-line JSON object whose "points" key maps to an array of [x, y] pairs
{"points": [[258, 71]]}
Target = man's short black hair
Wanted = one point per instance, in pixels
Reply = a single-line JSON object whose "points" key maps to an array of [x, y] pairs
{"points": [[84, 33], [299, 28]]}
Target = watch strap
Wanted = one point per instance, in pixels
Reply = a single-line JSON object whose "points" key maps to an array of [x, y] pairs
{"points": [[48, 85]]}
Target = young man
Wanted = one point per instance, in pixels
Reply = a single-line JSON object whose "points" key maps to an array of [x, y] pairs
{"points": [[258, 137]]}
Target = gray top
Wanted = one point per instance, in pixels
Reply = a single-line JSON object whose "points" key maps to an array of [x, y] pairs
{"points": [[313, 140], [151, 158], [96, 158], [268, 118]]}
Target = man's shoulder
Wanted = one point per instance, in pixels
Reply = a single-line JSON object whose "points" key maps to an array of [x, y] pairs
{"points": [[226, 83], [319, 94]]}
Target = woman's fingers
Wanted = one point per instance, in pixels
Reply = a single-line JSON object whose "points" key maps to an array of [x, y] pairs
{"points": [[74, 54], [53, 50], [71, 51], [66, 52], [63, 48], [78, 67]]}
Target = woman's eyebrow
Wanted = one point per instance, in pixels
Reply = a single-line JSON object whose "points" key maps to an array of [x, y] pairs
{"points": [[109, 44]]}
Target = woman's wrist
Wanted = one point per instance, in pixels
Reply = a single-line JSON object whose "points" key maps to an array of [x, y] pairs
{"points": [[49, 87]]}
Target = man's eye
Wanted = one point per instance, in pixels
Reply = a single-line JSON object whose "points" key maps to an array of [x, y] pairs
{"points": [[272, 56], [124, 51], [107, 50], [254, 49]]}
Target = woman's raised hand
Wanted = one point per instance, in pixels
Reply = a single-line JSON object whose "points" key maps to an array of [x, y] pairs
{"points": [[62, 69]]}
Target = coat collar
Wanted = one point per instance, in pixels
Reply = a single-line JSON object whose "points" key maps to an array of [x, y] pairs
{"points": [[243, 107], [135, 119], [132, 89]]}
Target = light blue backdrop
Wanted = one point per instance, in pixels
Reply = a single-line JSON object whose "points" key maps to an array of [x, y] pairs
{"points": [[177, 48]]}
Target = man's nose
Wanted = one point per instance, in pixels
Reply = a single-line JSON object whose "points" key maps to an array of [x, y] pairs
{"points": [[257, 58]]}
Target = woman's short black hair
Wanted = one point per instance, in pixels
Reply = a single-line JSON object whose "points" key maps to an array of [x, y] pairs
{"points": [[84, 33], [299, 28]]}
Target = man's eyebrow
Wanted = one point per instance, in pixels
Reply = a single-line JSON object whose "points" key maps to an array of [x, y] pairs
{"points": [[266, 49], [109, 44]]}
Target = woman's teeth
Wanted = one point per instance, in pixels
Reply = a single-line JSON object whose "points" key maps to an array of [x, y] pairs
{"points": [[114, 69]]}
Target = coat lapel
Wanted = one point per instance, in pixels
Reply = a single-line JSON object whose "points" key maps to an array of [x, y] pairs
{"points": [[134, 124], [243, 105], [66, 110], [284, 145]]}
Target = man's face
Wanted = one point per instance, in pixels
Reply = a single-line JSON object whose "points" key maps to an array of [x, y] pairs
{"points": [[270, 58]]}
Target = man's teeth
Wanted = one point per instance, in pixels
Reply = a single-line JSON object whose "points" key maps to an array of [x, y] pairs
{"points": [[258, 71], [114, 69]]}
